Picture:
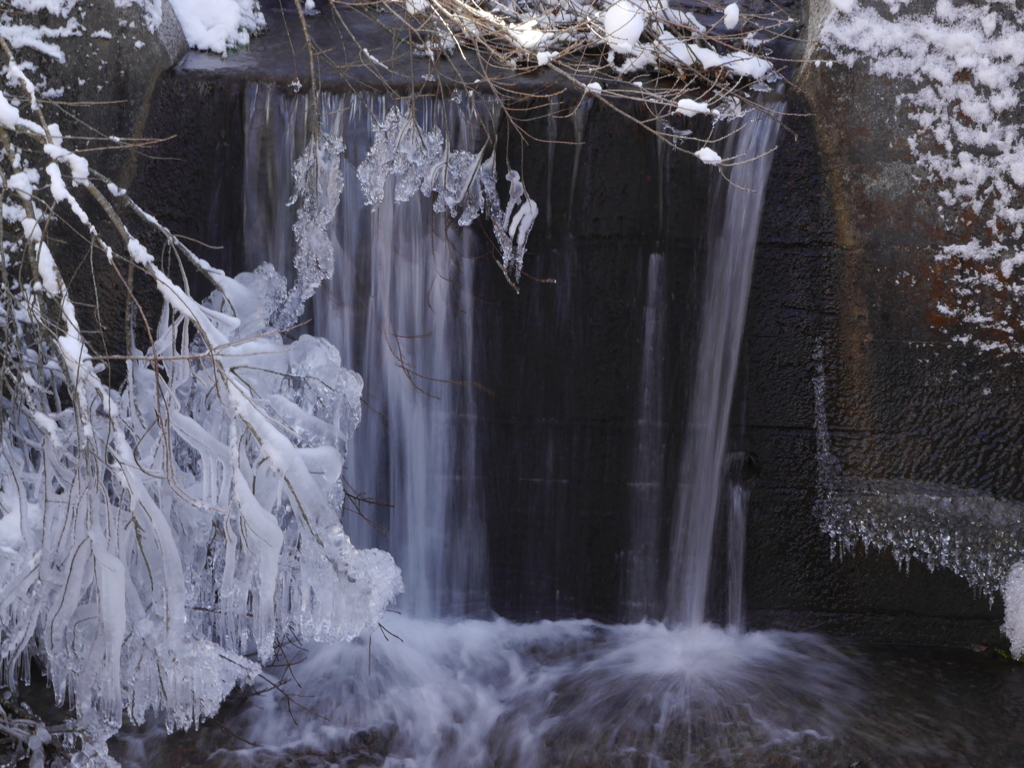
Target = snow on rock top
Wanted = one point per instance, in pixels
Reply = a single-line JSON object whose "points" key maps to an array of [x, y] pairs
{"points": [[56, 7], [732, 16], [218, 25]]}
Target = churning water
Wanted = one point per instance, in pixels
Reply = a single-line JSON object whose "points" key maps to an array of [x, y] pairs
{"points": [[567, 693]]}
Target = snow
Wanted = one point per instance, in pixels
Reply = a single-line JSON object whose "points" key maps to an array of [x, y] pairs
{"points": [[689, 108], [635, 34], [60, 193], [9, 115], [708, 155], [731, 16], [37, 37], [218, 25], [623, 24], [960, 69], [139, 253], [594, 87], [748, 65], [963, 96], [56, 7]]}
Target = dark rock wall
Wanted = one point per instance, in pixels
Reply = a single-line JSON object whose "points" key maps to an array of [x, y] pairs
{"points": [[102, 88], [564, 360], [810, 301]]}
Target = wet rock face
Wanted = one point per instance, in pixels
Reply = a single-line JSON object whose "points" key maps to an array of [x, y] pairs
{"points": [[918, 435], [810, 349]]}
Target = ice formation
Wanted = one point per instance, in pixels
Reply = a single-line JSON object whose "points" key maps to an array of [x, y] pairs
{"points": [[1013, 602], [156, 536], [978, 537], [463, 184], [319, 180]]}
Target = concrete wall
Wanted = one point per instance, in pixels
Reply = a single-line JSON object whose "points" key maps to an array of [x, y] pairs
{"points": [[924, 434]]}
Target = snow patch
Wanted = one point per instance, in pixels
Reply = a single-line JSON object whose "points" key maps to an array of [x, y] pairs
{"points": [[961, 72], [623, 25], [731, 17], [708, 156], [218, 25]]}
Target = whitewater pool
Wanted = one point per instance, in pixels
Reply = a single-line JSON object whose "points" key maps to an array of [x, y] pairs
{"points": [[580, 693]]}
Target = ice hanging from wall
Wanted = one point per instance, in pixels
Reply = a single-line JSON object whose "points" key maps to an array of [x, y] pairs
{"points": [[401, 311]]}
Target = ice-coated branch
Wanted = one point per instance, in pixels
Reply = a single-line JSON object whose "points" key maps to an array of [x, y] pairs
{"points": [[463, 184], [157, 538]]}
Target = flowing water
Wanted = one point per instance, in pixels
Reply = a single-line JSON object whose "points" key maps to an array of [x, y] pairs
{"points": [[424, 691], [644, 571], [723, 314], [400, 309]]}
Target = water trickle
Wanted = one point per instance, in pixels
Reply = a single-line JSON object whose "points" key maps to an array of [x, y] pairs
{"points": [[737, 496], [644, 569], [722, 316]]}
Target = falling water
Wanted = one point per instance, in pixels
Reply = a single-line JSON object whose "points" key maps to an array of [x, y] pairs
{"points": [[400, 309], [722, 316], [643, 570], [737, 496]]}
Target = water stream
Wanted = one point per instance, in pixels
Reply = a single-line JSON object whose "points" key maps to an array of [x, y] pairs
{"points": [[722, 317]]}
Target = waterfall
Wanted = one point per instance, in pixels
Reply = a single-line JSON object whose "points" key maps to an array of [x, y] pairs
{"points": [[574, 692], [722, 315], [400, 309]]}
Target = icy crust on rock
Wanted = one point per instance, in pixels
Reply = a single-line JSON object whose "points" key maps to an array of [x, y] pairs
{"points": [[965, 64], [464, 185], [978, 537], [975, 536]]}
